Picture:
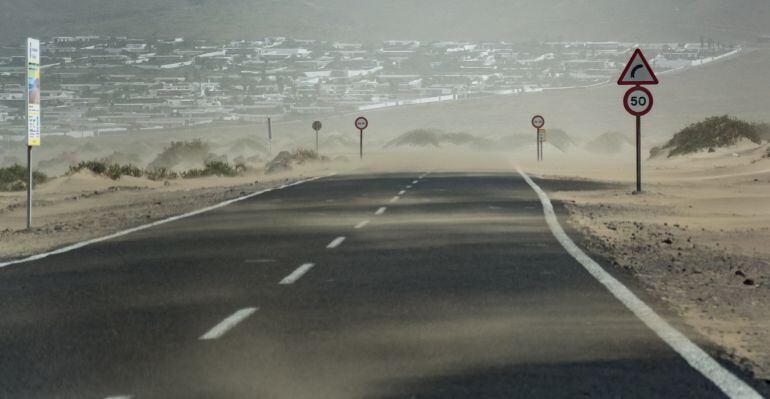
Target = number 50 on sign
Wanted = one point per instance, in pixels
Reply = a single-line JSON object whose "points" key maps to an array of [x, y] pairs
{"points": [[638, 101]]}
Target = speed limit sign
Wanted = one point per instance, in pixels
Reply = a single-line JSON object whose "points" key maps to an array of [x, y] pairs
{"points": [[638, 101], [362, 123], [538, 121]]}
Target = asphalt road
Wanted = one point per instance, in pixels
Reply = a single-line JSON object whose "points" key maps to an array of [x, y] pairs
{"points": [[456, 289]]}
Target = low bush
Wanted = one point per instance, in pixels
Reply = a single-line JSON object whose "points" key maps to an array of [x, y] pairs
{"points": [[713, 132], [161, 174], [212, 168], [113, 171], [181, 151], [14, 178]]}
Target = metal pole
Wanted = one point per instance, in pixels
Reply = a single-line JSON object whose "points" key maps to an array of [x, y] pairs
{"points": [[542, 150], [29, 187], [537, 142], [316, 142], [361, 143], [638, 154], [269, 136]]}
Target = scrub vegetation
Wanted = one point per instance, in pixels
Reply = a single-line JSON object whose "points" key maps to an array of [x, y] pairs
{"points": [[14, 178], [712, 133]]}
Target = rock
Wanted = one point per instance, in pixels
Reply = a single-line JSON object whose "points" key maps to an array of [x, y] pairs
{"points": [[668, 241], [748, 281]]}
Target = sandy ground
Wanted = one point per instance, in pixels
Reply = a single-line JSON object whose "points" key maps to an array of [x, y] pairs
{"points": [[74, 208], [697, 238]]}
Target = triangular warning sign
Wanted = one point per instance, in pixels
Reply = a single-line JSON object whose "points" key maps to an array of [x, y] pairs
{"points": [[638, 71]]}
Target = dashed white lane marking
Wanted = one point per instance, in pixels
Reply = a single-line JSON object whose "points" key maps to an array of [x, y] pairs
{"points": [[335, 243], [731, 385], [361, 224], [153, 224], [408, 187], [402, 192], [394, 199], [228, 323], [380, 211], [297, 274], [415, 181]]}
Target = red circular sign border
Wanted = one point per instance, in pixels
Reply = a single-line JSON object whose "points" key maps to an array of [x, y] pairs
{"points": [[533, 121], [365, 120], [628, 94]]}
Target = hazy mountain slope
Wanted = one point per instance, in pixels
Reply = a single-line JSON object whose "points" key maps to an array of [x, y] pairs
{"points": [[375, 20]]}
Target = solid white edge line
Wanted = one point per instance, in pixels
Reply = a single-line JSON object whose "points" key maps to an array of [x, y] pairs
{"points": [[297, 274], [394, 199], [119, 397], [82, 244], [381, 210], [361, 224], [731, 385], [335, 243], [227, 324]]}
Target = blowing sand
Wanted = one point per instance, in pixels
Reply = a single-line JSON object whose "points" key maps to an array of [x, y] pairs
{"points": [[697, 238], [83, 206]]}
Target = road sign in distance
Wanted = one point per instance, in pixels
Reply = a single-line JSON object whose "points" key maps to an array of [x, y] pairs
{"points": [[361, 123], [638, 71], [317, 125], [638, 101], [538, 121]]}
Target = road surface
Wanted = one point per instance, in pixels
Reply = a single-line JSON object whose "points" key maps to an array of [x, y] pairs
{"points": [[389, 286]]}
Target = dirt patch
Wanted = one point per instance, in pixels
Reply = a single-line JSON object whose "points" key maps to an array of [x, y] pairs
{"points": [[708, 264]]}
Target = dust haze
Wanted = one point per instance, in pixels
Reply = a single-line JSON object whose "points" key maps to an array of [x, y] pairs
{"points": [[696, 237]]}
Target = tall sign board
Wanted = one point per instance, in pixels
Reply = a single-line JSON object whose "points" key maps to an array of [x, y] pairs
{"points": [[33, 113], [33, 92]]}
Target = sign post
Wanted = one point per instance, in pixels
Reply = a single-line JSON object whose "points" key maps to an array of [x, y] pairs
{"points": [[538, 122], [541, 140], [638, 100], [33, 114], [269, 136], [361, 124], [317, 126]]}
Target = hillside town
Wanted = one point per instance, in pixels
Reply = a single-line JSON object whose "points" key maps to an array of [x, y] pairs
{"points": [[95, 85]]}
